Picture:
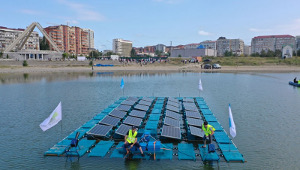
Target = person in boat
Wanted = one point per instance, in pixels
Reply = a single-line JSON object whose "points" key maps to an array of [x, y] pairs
{"points": [[295, 80], [131, 140], [209, 130]]}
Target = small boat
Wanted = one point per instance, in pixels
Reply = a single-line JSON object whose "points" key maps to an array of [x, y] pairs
{"points": [[294, 84]]}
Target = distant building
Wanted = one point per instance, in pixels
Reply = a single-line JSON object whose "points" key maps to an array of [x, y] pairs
{"points": [[209, 44], [8, 35], [192, 52], [149, 49], [122, 47], [73, 40], [297, 42], [90, 37], [271, 42], [287, 51], [161, 47], [194, 45], [236, 46], [247, 50]]}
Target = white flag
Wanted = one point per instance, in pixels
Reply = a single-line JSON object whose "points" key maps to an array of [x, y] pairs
{"points": [[53, 119], [231, 124], [200, 85]]}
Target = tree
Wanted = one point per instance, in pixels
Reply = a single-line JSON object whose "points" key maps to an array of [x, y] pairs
{"points": [[1, 54], [65, 55], [44, 44], [298, 52], [277, 53], [179, 55], [270, 53], [132, 53], [158, 53], [228, 53], [263, 53]]}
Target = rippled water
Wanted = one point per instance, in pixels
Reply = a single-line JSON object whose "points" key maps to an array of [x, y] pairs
{"points": [[265, 108]]}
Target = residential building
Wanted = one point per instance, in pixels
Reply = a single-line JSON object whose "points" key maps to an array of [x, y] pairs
{"points": [[287, 51], [194, 45], [8, 35], [236, 46], [271, 42], [90, 37], [193, 52], [161, 47], [149, 49], [209, 44], [298, 42], [73, 40], [122, 47], [247, 50]]}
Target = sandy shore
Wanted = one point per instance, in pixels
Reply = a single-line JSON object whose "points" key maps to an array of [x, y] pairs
{"points": [[75, 66]]}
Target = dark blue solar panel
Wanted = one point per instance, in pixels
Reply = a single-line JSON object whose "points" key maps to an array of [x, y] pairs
{"points": [[123, 129], [108, 120], [172, 108], [133, 99], [193, 114], [117, 113], [141, 107], [173, 115], [125, 108], [172, 122], [133, 121], [194, 122], [146, 103], [137, 113], [147, 99], [196, 131], [128, 102], [100, 130], [188, 100], [173, 104], [171, 132]]}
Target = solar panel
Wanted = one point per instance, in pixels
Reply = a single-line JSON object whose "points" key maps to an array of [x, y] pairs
{"points": [[188, 100], [123, 129], [194, 122], [193, 114], [117, 113], [100, 130], [141, 107], [173, 115], [191, 108], [146, 103], [125, 108], [172, 108], [133, 99], [148, 99], [128, 102], [137, 113], [196, 131], [172, 122], [133, 121], [173, 104], [108, 120], [173, 100], [171, 132]]}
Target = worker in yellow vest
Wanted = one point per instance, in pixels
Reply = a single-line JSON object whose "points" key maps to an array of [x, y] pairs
{"points": [[209, 130], [131, 140]]}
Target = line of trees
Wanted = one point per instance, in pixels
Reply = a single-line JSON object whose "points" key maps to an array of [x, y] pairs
{"points": [[268, 53]]}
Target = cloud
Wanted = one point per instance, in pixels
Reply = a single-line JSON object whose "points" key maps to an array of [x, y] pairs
{"points": [[201, 32], [83, 12], [30, 12], [259, 30]]}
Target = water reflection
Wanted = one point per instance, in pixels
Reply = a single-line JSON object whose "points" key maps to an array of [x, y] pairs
{"points": [[132, 164]]}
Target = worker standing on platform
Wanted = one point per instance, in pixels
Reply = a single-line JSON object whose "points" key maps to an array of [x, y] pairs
{"points": [[209, 130], [131, 140]]}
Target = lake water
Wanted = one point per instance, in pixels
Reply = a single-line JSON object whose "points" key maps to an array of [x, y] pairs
{"points": [[265, 108]]}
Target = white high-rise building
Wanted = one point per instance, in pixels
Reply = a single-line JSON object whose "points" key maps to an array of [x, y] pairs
{"points": [[122, 47], [90, 38], [236, 46]]}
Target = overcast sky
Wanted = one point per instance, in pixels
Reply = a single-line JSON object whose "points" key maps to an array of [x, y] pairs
{"points": [[151, 22]]}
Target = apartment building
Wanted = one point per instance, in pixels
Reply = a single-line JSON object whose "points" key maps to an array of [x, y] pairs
{"points": [[247, 50], [297, 42], [271, 42], [73, 40], [193, 45], [161, 47], [236, 46], [122, 47], [8, 35], [209, 44], [90, 38]]}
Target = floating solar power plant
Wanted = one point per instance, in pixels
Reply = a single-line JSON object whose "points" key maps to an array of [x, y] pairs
{"points": [[125, 108], [128, 102], [191, 108], [171, 132], [133, 99], [173, 104], [146, 103], [123, 129], [108, 120], [173, 100], [189, 100], [100, 131], [133, 121], [193, 114], [117, 113], [194, 122], [172, 122], [137, 113], [196, 131], [172, 108], [173, 115], [141, 107], [147, 99]]}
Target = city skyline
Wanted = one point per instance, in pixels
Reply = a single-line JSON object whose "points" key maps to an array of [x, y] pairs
{"points": [[152, 22]]}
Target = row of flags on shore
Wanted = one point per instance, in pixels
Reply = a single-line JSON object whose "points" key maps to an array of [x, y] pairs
{"points": [[56, 115]]}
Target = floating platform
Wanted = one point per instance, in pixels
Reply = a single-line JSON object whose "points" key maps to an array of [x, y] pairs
{"points": [[174, 123]]}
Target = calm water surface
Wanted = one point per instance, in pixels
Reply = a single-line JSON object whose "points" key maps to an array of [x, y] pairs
{"points": [[265, 108]]}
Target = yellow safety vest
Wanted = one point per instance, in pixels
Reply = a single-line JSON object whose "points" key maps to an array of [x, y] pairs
{"points": [[207, 130], [298, 81], [130, 137]]}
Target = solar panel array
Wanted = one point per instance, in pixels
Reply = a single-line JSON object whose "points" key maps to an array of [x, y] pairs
{"points": [[137, 113], [125, 108], [147, 99], [146, 103], [171, 132], [172, 108], [123, 129], [193, 114], [128, 102], [172, 122], [141, 107], [133, 99], [100, 130], [188, 100], [108, 120], [117, 113], [173, 104], [133, 121], [173, 115], [196, 131], [194, 122], [173, 100]]}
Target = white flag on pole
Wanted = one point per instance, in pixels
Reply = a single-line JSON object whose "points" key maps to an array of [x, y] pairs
{"points": [[231, 124], [200, 85], [53, 119]]}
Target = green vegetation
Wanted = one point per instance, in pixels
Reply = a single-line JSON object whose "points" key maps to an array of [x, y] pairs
{"points": [[95, 54], [44, 44], [91, 63], [25, 64], [133, 53], [1, 54], [7, 56]]}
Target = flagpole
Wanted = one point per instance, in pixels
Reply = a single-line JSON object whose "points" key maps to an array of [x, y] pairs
{"points": [[61, 126]]}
